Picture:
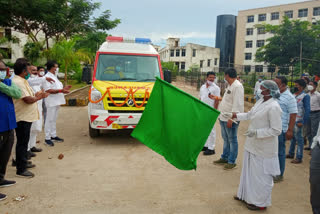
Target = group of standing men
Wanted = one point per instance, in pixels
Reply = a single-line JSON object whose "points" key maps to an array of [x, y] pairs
{"points": [[21, 104], [277, 116]]}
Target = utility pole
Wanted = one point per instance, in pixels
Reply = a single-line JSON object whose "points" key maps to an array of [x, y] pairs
{"points": [[300, 57]]}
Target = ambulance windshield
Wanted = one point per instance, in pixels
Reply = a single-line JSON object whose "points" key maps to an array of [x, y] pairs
{"points": [[130, 68]]}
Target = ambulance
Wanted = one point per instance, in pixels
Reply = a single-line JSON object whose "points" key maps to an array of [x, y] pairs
{"points": [[124, 74]]}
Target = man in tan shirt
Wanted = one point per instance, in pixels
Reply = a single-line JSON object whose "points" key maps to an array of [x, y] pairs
{"points": [[26, 112]]}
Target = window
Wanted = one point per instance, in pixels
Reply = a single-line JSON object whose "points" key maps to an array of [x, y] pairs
{"points": [[209, 63], [260, 43], [194, 51], [275, 16], [262, 17], [303, 12], [248, 44], [176, 43], [289, 14], [183, 52], [316, 11], [183, 65], [271, 69], [201, 63], [259, 68], [177, 64], [250, 19], [215, 61], [172, 53], [249, 31], [248, 56], [7, 53], [177, 52], [261, 30], [1, 34], [247, 68]]}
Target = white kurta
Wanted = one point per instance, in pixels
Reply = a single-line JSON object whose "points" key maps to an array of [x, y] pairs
{"points": [[260, 162], [204, 97]]}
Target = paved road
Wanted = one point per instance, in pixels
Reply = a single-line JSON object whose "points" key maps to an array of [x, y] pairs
{"points": [[116, 174]]}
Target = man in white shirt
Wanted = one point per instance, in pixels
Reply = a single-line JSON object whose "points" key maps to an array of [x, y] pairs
{"points": [[53, 102], [36, 82], [209, 94], [257, 87], [314, 117], [232, 102]]}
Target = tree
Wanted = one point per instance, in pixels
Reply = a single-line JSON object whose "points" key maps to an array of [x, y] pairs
{"points": [[169, 66], [58, 19], [66, 55], [33, 50], [283, 49]]}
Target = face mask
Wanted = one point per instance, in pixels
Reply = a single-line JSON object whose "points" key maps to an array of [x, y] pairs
{"points": [[57, 71], [3, 75], [209, 82], [295, 89], [260, 95], [310, 87], [42, 73], [225, 80], [27, 76], [259, 80], [33, 75]]}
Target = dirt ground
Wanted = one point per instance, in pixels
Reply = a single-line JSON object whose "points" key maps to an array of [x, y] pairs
{"points": [[117, 174]]}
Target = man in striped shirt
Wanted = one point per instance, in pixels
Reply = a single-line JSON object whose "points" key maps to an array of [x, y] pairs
{"points": [[289, 109]]}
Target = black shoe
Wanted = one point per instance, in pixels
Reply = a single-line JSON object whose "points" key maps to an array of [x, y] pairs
{"points": [[57, 139], [14, 163], [30, 165], [289, 156], [6, 183], [204, 148], [307, 148], [25, 174], [49, 143], [2, 197], [35, 149], [209, 152], [30, 155]]}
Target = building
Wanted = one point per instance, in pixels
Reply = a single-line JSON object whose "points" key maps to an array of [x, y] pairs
{"points": [[249, 38], [226, 38], [190, 54]]}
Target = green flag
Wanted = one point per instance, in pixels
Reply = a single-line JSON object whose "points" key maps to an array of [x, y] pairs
{"points": [[175, 124]]}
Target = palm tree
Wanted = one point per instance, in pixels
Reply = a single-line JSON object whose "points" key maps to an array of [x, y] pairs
{"points": [[65, 53]]}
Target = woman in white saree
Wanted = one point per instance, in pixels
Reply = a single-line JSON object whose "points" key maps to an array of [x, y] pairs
{"points": [[260, 159]]}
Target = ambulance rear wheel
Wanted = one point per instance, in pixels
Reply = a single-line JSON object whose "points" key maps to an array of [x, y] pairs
{"points": [[93, 132]]}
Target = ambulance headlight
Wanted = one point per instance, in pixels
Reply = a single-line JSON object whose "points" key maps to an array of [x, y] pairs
{"points": [[96, 95]]}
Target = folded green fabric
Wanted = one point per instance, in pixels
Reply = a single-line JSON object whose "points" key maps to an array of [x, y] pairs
{"points": [[175, 124]]}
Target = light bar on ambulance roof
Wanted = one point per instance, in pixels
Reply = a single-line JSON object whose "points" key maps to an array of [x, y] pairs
{"points": [[132, 40]]}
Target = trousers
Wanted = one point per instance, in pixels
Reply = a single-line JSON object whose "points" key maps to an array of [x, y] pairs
{"points": [[23, 136], [50, 125], [211, 141], [6, 143]]}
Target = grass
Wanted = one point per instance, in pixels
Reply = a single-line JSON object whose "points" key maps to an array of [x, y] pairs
{"points": [[75, 84]]}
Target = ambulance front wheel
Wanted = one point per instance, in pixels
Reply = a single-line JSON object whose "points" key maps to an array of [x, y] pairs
{"points": [[93, 132]]}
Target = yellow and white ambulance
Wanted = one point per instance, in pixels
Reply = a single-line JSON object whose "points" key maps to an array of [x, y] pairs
{"points": [[124, 74]]}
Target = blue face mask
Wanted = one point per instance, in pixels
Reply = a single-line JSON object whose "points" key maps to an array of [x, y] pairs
{"points": [[3, 75]]}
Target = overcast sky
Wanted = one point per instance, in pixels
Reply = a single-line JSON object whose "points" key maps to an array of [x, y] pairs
{"points": [[191, 20]]}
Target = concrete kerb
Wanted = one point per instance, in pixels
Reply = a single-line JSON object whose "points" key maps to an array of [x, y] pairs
{"points": [[77, 101]]}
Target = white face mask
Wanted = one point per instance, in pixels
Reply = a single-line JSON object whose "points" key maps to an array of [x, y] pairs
{"points": [[310, 87], [209, 82], [33, 75], [260, 95], [3, 75], [225, 80], [57, 71], [42, 73]]}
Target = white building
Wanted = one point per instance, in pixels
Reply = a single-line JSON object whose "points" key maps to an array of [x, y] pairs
{"points": [[250, 38], [190, 54]]}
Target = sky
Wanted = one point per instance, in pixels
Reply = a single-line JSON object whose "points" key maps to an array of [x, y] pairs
{"points": [[193, 21]]}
